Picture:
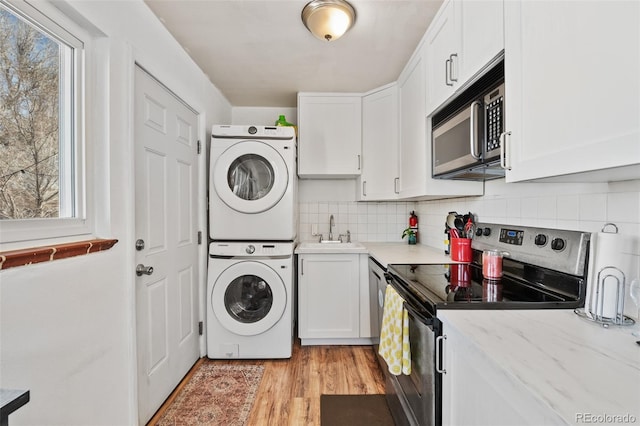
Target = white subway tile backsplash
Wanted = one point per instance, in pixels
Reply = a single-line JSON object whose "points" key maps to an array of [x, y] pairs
{"points": [[568, 208], [514, 210], [584, 207], [547, 208], [593, 207], [623, 207], [529, 208]]}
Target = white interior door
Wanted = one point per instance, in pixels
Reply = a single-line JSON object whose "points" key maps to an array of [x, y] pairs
{"points": [[166, 221]]}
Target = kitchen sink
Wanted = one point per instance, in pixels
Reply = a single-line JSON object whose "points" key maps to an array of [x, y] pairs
{"points": [[330, 247]]}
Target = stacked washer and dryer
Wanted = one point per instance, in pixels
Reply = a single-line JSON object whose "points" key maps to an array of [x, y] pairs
{"points": [[252, 225]]}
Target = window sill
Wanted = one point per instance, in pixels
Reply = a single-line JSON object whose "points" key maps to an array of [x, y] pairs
{"points": [[28, 256]]}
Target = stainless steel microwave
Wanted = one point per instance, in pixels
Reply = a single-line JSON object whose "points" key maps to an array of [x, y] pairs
{"points": [[466, 142]]}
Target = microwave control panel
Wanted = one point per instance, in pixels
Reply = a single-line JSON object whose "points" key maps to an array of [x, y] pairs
{"points": [[494, 123], [494, 118]]}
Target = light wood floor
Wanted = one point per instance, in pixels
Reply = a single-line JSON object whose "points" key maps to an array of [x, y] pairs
{"points": [[289, 393]]}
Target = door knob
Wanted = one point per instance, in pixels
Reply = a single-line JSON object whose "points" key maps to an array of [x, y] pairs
{"points": [[141, 269]]}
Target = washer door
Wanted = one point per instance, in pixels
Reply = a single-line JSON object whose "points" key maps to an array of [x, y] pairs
{"points": [[250, 177], [248, 298]]}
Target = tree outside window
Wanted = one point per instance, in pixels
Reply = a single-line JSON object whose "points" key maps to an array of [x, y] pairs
{"points": [[32, 121]]}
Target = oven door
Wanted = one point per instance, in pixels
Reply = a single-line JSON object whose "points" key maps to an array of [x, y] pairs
{"points": [[456, 141], [415, 399]]}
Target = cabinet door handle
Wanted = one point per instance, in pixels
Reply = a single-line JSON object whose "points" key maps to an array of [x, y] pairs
{"points": [[453, 55], [504, 151], [396, 183], [301, 266], [447, 72], [440, 349], [364, 188], [473, 129], [359, 164]]}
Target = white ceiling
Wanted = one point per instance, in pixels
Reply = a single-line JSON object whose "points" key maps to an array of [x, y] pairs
{"points": [[259, 53]]}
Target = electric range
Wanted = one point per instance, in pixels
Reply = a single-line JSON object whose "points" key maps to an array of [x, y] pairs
{"points": [[542, 268]]}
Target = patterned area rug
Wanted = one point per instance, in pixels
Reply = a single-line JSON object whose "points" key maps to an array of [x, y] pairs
{"points": [[215, 395]]}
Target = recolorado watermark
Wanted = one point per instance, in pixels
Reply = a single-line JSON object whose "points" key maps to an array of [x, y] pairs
{"points": [[606, 418]]}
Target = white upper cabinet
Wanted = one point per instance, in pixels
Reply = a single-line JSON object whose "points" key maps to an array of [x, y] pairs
{"points": [[414, 167], [481, 29], [379, 178], [572, 76], [329, 135], [415, 154], [464, 37]]}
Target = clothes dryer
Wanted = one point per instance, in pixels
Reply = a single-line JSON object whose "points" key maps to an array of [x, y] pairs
{"points": [[250, 300], [253, 183]]}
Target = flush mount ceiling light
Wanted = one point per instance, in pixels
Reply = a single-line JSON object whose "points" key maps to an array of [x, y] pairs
{"points": [[328, 19]]}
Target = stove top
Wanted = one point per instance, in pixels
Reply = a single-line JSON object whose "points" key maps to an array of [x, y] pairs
{"points": [[461, 286], [536, 273]]}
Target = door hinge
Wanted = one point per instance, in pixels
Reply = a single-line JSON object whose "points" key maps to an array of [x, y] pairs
{"points": [[199, 237], [199, 147], [200, 328]]}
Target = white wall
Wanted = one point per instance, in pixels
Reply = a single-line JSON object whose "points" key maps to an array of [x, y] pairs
{"points": [[262, 116], [67, 327]]}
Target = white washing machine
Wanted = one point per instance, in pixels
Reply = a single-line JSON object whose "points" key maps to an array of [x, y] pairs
{"points": [[250, 300], [253, 183]]}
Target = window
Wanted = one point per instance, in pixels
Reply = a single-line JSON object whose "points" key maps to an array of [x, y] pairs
{"points": [[41, 126]]}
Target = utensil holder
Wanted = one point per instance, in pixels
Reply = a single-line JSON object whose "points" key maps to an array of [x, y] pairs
{"points": [[461, 249]]}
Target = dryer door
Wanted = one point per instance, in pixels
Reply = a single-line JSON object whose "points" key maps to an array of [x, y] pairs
{"points": [[250, 176], [248, 298]]}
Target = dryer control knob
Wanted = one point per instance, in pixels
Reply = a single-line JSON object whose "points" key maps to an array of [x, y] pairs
{"points": [[250, 249], [253, 130]]}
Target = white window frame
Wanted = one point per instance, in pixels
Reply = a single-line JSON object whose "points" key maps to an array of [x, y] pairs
{"points": [[73, 159]]}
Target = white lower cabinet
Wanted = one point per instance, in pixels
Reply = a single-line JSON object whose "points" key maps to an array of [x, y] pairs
{"points": [[476, 391], [333, 299]]}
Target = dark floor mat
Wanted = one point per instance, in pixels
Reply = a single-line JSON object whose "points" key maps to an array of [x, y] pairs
{"points": [[354, 410]]}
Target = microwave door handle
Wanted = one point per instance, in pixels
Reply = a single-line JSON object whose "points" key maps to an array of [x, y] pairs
{"points": [[473, 129]]}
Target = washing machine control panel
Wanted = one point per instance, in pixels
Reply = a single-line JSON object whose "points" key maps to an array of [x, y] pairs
{"points": [[253, 249]]}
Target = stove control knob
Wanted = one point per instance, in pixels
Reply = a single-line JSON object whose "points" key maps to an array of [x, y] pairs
{"points": [[479, 232], [250, 249], [486, 232], [557, 244], [540, 240]]}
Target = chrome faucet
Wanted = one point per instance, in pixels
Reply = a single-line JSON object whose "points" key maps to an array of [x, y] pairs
{"points": [[331, 225]]}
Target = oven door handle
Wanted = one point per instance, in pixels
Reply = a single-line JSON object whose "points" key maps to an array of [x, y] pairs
{"points": [[424, 317], [440, 354], [410, 299]]}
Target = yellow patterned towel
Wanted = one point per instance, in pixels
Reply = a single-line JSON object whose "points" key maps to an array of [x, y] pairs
{"points": [[394, 335]]}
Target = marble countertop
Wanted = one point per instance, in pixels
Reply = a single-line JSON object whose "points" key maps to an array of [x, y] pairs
{"points": [[327, 248], [383, 253], [388, 253], [572, 365]]}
